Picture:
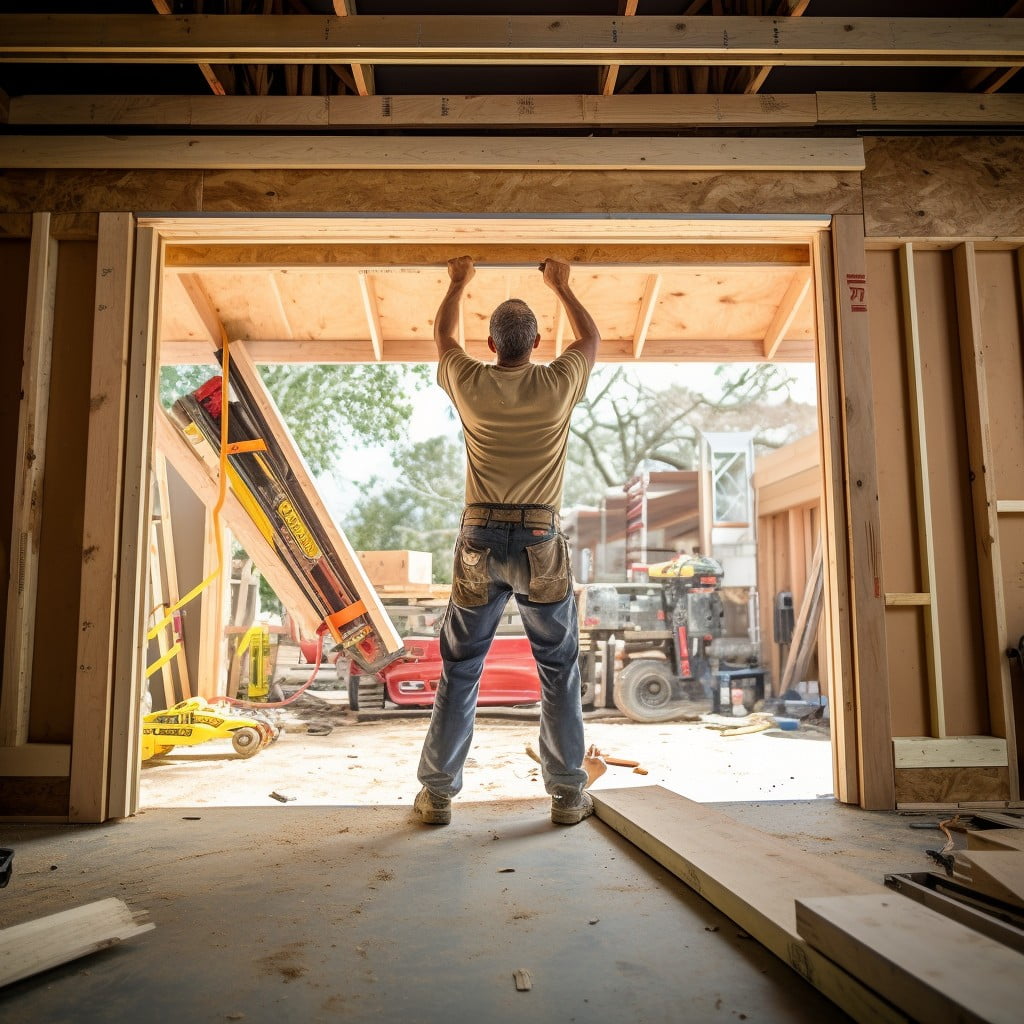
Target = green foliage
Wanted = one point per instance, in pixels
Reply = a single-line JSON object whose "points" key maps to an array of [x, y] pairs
{"points": [[420, 510], [327, 408]]}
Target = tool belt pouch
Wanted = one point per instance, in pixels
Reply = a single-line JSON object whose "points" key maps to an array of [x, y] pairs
{"points": [[470, 580], [550, 575]]}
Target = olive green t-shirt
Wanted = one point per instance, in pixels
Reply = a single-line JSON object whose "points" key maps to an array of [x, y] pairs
{"points": [[516, 424]]}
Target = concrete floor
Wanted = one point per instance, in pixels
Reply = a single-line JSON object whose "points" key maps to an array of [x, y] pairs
{"points": [[358, 913]]}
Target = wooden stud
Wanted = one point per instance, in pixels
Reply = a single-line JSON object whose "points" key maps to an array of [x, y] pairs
{"points": [[94, 678], [922, 490], [986, 520], [210, 682], [868, 606], [805, 631], [906, 600], [339, 152], [786, 313], [648, 304], [1010, 508], [129, 662], [835, 556], [28, 485], [158, 605], [170, 566]]}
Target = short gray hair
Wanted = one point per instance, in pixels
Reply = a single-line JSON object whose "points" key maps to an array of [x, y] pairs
{"points": [[513, 328]]}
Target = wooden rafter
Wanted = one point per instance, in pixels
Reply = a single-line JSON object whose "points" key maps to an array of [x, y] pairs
{"points": [[212, 78], [608, 75], [648, 303], [371, 307], [752, 79], [990, 80], [518, 40], [362, 74], [787, 311]]}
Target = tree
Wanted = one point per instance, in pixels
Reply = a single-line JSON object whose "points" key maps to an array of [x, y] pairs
{"points": [[623, 423], [327, 408], [420, 511]]}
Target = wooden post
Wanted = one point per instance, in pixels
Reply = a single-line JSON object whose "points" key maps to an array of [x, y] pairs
{"points": [[986, 518], [90, 747], [835, 560], [28, 484], [211, 636], [135, 515], [868, 606]]}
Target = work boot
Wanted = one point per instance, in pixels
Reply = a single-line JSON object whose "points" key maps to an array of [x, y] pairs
{"points": [[570, 808], [431, 808]]}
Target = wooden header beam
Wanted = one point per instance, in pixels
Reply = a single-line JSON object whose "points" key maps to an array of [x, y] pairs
{"points": [[502, 40], [233, 152]]}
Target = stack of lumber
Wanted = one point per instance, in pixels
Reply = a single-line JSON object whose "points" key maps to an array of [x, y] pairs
{"points": [[876, 954]]}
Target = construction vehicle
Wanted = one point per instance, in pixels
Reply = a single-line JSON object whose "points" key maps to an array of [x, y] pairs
{"points": [[195, 721], [644, 646]]}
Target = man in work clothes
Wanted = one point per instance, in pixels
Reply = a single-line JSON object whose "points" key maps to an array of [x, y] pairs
{"points": [[515, 418]]}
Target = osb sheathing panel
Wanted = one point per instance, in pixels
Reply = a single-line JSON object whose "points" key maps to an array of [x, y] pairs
{"points": [[908, 681], [60, 557], [949, 785], [100, 191], [1002, 317], [956, 187], [530, 191], [14, 256]]}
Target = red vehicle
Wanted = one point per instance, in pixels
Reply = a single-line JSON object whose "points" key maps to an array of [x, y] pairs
{"points": [[509, 676]]}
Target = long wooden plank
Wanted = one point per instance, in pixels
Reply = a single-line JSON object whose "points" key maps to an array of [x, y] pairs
{"points": [[751, 876], [933, 968], [340, 152], [135, 515], [243, 365], [94, 676], [27, 949], [912, 108], [868, 604], [922, 489], [835, 558], [502, 40], [983, 494], [950, 752], [30, 465]]}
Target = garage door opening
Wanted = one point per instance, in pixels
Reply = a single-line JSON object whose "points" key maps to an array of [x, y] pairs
{"points": [[669, 296]]}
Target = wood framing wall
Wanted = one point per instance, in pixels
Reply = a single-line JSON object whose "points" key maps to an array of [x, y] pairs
{"points": [[941, 220]]}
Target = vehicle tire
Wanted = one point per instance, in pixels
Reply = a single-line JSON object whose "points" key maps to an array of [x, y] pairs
{"points": [[246, 741], [644, 691], [365, 693]]}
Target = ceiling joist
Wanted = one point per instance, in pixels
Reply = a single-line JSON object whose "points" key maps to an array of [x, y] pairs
{"points": [[497, 40]]}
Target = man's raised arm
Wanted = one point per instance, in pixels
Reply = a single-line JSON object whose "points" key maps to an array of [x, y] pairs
{"points": [[556, 277], [461, 271]]}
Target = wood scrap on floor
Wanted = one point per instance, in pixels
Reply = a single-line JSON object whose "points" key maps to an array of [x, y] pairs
{"points": [[931, 967], [996, 839], [996, 873], [27, 949]]}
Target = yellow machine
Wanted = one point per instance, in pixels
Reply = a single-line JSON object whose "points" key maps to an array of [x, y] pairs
{"points": [[195, 721]]}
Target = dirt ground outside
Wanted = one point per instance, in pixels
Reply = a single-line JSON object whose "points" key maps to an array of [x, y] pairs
{"points": [[326, 755]]}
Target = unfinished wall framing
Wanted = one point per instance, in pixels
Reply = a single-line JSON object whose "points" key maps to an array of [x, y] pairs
{"points": [[923, 563]]}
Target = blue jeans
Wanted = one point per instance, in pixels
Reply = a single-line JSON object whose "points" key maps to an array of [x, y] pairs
{"points": [[492, 562]]}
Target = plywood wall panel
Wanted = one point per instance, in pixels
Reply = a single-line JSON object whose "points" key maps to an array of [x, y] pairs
{"points": [[960, 634], [530, 192], [14, 254], [100, 191], [956, 187], [900, 563], [56, 637]]}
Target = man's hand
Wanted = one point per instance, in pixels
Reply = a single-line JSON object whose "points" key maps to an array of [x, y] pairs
{"points": [[556, 274], [461, 269]]}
